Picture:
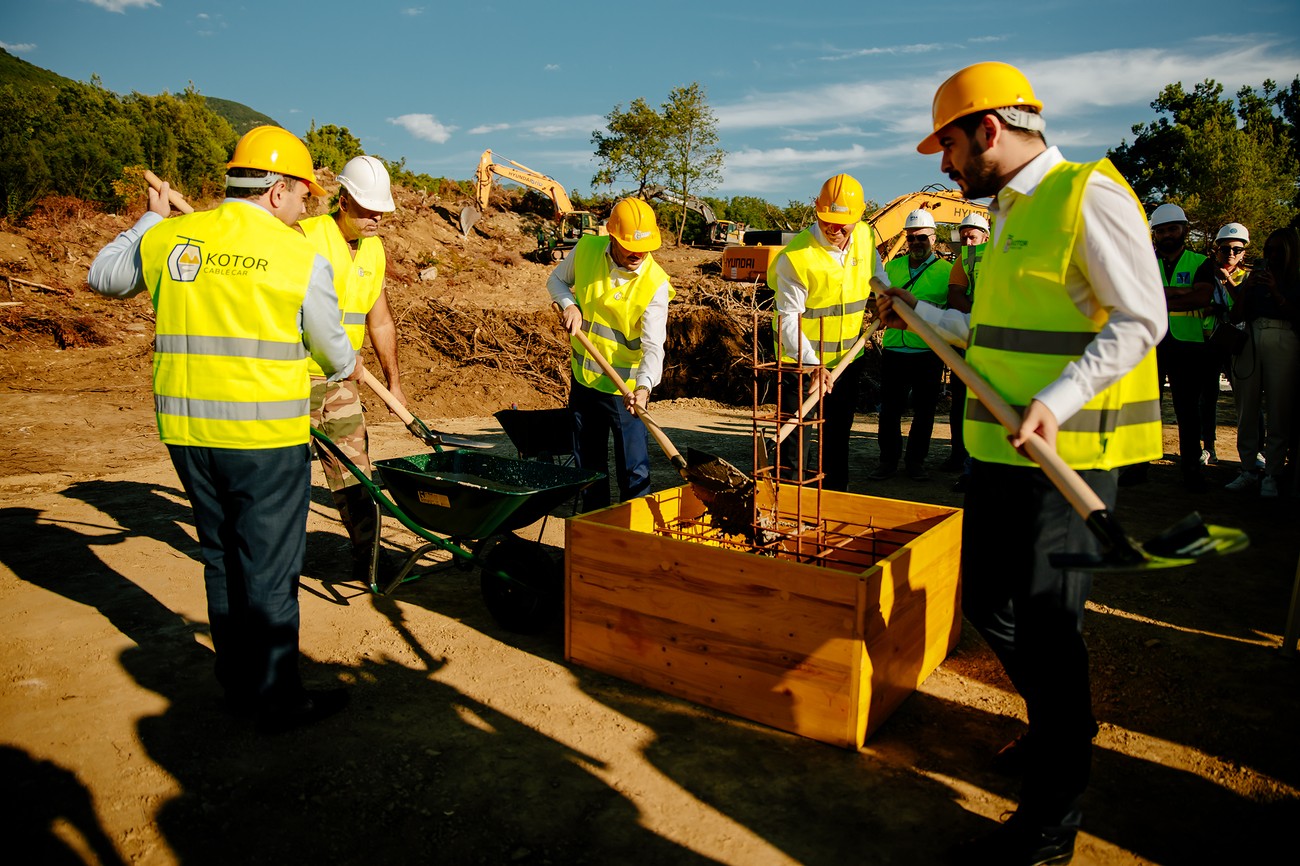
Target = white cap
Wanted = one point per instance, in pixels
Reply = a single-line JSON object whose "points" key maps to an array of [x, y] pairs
{"points": [[1167, 213], [366, 181], [974, 220], [1233, 231], [919, 219]]}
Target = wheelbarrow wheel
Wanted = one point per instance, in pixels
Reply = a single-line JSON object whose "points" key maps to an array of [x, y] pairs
{"points": [[522, 585]]}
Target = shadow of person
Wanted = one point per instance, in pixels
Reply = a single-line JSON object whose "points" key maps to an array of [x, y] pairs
{"points": [[142, 509], [50, 817]]}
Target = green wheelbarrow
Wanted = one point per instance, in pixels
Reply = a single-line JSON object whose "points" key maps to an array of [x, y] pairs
{"points": [[469, 504]]}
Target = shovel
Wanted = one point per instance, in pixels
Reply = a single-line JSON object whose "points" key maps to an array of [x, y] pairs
{"points": [[788, 427], [1184, 543], [727, 493], [176, 199], [432, 438]]}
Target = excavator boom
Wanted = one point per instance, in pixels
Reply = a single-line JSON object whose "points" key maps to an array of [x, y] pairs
{"points": [[945, 205], [521, 174]]}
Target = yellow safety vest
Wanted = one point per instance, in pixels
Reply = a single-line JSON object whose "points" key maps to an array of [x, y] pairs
{"points": [[357, 281], [1185, 325], [931, 285], [1025, 329], [837, 294], [610, 316], [229, 365]]}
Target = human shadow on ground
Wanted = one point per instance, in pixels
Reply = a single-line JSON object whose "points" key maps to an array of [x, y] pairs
{"points": [[47, 803], [142, 509]]}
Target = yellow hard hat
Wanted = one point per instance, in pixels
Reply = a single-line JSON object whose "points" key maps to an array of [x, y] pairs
{"points": [[840, 200], [632, 224], [981, 87], [277, 150]]}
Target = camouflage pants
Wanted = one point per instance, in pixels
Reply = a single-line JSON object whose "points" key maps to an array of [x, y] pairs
{"points": [[336, 412]]}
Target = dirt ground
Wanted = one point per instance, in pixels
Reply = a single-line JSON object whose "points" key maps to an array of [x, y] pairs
{"points": [[466, 743]]}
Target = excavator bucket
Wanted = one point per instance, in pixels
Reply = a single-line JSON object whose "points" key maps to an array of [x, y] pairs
{"points": [[468, 216]]}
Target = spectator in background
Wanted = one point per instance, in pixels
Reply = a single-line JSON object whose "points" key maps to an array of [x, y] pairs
{"points": [[974, 233], [1268, 302]]}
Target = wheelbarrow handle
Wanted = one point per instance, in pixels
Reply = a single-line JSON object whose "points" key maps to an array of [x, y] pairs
{"points": [[670, 450], [1081, 497], [788, 427]]}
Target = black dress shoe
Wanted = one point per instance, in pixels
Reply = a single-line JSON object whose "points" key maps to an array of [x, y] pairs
{"points": [[1018, 842], [307, 708]]}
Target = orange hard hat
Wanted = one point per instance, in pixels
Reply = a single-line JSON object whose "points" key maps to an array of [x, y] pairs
{"points": [[277, 150], [632, 224], [840, 200], [981, 87]]}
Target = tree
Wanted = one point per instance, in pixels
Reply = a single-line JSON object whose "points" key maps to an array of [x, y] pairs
{"points": [[1221, 162], [632, 146], [693, 160], [332, 146]]}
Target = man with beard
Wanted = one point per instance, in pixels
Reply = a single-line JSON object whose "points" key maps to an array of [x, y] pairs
{"points": [[1185, 357], [1068, 311]]}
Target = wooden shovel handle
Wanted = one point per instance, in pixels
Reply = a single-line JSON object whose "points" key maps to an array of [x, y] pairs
{"points": [[788, 427], [392, 402], [674, 456], [176, 199], [1082, 497]]}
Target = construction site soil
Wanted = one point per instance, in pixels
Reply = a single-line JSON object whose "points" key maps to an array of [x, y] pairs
{"points": [[466, 743]]}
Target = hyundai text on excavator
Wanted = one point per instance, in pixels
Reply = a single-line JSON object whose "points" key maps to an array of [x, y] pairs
{"points": [[749, 263], [570, 225]]}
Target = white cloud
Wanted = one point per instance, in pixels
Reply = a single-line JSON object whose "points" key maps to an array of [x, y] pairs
{"points": [[424, 126], [487, 127], [412, 11], [817, 134], [121, 5], [918, 48], [19, 47], [982, 40], [557, 127], [551, 67]]}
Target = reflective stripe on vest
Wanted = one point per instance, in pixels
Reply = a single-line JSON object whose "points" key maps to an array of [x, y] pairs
{"points": [[931, 285], [358, 279], [837, 294], [611, 316], [230, 369], [1185, 325], [1025, 330]]}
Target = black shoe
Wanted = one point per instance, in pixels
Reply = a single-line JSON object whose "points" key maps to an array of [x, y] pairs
{"points": [[918, 473], [883, 473], [309, 707], [1018, 842], [959, 486], [1013, 758]]}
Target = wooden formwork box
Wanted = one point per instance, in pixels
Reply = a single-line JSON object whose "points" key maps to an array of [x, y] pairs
{"points": [[818, 651]]}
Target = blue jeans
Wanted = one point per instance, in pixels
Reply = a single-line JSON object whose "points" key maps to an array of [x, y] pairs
{"points": [[250, 510], [595, 415]]}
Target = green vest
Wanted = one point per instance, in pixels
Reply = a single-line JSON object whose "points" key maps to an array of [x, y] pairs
{"points": [[1025, 330], [357, 281], [837, 294], [229, 365], [931, 285], [971, 258], [610, 316], [1185, 325]]}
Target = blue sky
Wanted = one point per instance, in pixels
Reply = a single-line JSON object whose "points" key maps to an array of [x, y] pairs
{"points": [[800, 92]]}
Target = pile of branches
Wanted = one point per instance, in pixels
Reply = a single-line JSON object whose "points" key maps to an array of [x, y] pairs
{"points": [[523, 345]]}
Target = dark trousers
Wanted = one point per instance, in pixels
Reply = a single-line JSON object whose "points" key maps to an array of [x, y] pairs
{"points": [[1031, 614], [956, 412], [250, 511], [839, 405], [596, 415], [901, 373], [1193, 371]]}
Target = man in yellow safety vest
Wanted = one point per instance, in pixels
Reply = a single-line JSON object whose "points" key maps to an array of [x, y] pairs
{"points": [[1068, 312], [242, 301]]}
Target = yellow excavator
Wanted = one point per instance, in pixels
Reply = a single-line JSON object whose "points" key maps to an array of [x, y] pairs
{"points": [[748, 263], [721, 232], [570, 224]]}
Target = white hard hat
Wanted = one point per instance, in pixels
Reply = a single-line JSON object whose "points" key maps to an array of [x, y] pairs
{"points": [[1167, 213], [366, 181], [1233, 231], [975, 220], [919, 219]]}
